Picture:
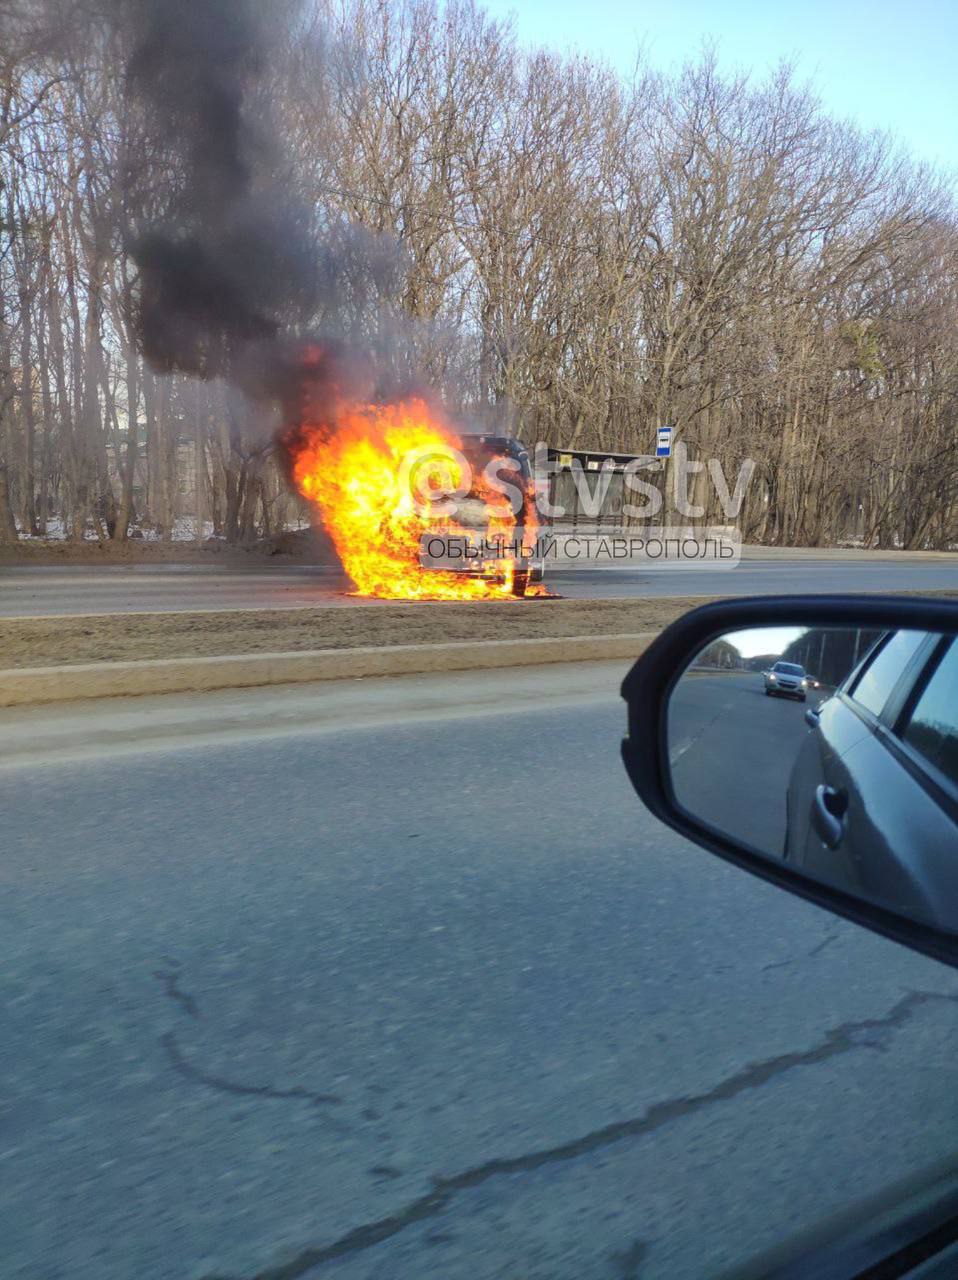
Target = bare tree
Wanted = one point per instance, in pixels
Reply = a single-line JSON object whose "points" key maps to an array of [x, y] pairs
{"points": [[563, 252]]}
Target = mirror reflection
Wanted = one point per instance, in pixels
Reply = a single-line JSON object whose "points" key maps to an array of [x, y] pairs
{"points": [[833, 749]]}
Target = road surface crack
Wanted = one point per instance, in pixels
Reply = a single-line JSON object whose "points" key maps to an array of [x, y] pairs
{"points": [[171, 988], [182, 1064], [838, 1040], [184, 1067], [806, 955]]}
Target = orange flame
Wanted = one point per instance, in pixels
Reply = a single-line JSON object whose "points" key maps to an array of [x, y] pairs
{"points": [[360, 475]]}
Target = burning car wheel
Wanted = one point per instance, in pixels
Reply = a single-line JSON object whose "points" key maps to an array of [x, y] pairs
{"points": [[520, 582]]}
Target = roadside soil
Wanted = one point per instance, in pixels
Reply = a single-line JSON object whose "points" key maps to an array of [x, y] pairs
{"points": [[56, 641], [306, 546], [67, 641]]}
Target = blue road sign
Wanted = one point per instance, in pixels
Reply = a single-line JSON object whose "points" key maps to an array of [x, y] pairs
{"points": [[663, 443]]}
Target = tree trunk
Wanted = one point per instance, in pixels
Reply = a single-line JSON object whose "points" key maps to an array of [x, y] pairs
{"points": [[28, 507], [8, 525], [125, 512]]}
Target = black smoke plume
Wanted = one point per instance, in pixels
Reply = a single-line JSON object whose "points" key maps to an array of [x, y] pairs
{"points": [[230, 260]]}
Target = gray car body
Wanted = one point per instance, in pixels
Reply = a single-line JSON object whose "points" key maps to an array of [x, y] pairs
{"points": [[899, 840]]}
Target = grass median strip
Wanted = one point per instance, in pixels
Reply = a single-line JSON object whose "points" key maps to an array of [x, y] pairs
{"points": [[69, 641], [78, 640]]}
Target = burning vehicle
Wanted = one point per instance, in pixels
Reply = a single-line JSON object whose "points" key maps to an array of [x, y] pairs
{"points": [[386, 478], [232, 272], [503, 460]]}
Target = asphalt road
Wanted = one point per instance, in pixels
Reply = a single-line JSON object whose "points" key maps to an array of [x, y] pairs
{"points": [[423, 996], [732, 751], [26, 591]]}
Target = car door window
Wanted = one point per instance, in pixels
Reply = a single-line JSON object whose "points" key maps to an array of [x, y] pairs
{"points": [[932, 730], [881, 675]]}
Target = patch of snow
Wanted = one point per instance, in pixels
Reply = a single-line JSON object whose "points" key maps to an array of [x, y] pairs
{"points": [[56, 532]]}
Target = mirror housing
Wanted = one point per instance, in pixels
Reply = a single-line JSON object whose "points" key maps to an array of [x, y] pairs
{"points": [[647, 690]]}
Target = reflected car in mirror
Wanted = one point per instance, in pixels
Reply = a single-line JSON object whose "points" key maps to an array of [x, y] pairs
{"points": [[851, 801], [786, 679]]}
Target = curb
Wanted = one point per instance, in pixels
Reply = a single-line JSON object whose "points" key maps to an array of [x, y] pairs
{"points": [[236, 671]]}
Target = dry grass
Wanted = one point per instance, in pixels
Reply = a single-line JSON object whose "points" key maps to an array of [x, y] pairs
{"points": [[39, 642]]}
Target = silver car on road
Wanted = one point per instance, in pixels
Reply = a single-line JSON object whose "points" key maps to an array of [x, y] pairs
{"points": [[787, 679]]}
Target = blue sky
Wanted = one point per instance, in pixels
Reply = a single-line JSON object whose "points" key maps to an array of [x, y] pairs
{"points": [[889, 66]]}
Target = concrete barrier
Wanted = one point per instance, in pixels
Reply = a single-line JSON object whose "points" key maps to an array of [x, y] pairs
{"points": [[236, 671]]}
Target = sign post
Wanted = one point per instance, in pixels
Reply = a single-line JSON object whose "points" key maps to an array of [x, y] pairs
{"points": [[663, 451]]}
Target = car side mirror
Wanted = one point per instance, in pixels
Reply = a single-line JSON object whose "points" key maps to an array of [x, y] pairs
{"points": [[814, 742]]}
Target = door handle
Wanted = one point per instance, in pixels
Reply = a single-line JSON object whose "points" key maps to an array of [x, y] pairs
{"points": [[828, 815]]}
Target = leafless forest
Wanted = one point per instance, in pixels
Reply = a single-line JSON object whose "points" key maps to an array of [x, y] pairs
{"points": [[560, 251]]}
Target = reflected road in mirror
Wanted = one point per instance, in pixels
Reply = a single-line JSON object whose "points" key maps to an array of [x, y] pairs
{"points": [[732, 750], [836, 750]]}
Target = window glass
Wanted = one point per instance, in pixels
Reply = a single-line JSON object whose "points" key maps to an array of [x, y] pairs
{"points": [[789, 669], [882, 673], [933, 727]]}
